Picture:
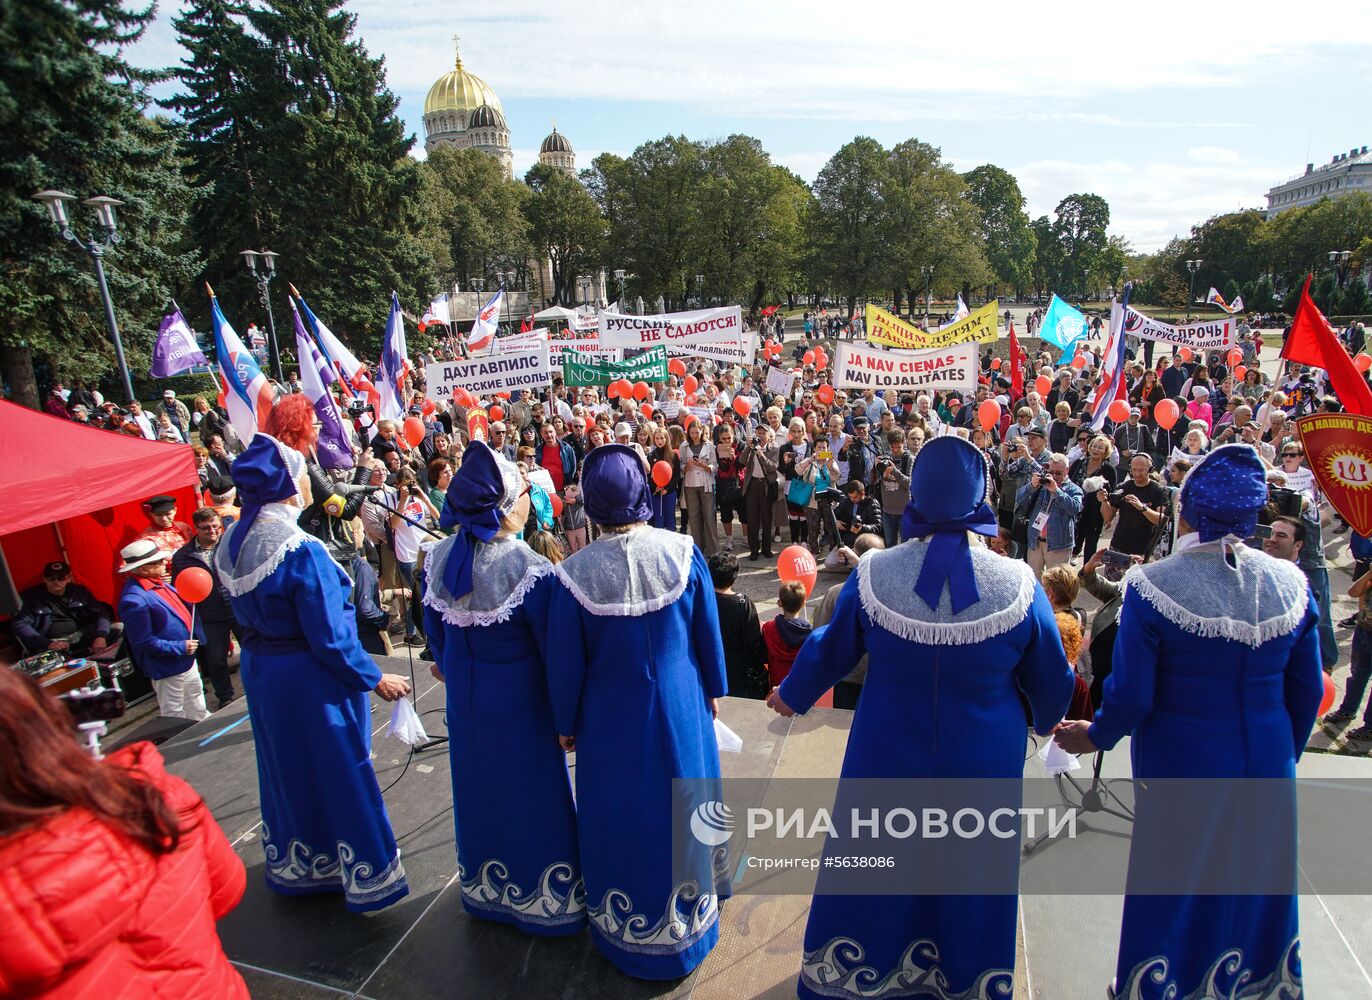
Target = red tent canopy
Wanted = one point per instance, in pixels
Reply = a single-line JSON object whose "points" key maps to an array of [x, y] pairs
{"points": [[73, 492]]}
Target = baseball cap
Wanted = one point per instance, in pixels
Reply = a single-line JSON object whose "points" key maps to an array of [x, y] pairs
{"points": [[56, 570], [169, 394], [1036, 431]]}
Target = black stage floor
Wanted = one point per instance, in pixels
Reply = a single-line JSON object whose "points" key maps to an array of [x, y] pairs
{"points": [[426, 946]]}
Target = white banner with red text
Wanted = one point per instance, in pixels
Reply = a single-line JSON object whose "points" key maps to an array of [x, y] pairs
{"points": [[700, 326]]}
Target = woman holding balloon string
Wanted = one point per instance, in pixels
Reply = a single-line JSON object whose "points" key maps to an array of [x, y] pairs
{"points": [[665, 469]]}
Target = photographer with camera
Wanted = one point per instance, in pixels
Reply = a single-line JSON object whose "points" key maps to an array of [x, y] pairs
{"points": [[406, 538], [891, 478], [115, 871], [1051, 503], [1135, 509]]}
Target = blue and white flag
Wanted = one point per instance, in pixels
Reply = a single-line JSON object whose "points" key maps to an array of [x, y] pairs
{"points": [[487, 320], [394, 365], [333, 448], [244, 390], [1113, 384], [1062, 325], [176, 350]]}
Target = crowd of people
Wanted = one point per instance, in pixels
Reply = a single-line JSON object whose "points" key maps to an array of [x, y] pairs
{"points": [[606, 519]]}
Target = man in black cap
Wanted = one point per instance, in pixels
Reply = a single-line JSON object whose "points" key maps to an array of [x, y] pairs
{"points": [[62, 616], [163, 527], [214, 612]]}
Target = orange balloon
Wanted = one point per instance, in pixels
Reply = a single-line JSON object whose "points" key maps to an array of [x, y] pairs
{"points": [[428, 406], [1326, 702], [662, 474], [825, 394], [809, 358], [497, 413], [1166, 414], [464, 398], [194, 584], [1186, 353], [557, 504], [503, 395], [690, 399], [821, 359], [414, 430], [640, 391], [1235, 356], [676, 366], [1240, 371], [647, 410], [988, 414], [741, 406], [691, 384], [1078, 362], [1042, 385], [1118, 411], [797, 563], [995, 364], [1362, 362]]}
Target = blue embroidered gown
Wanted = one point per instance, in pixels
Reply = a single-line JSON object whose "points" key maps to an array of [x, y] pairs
{"points": [[1226, 686], [512, 797], [636, 653], [307, 678], [942, 700]]}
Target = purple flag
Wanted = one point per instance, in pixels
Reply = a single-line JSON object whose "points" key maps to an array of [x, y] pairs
{"points": [[333, 447], [176, 350]]}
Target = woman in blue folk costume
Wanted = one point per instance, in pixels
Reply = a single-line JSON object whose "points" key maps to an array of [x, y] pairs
{"points": [[636, 668], [486, 611], [1216, 675], [947, 656], [324, 824]]}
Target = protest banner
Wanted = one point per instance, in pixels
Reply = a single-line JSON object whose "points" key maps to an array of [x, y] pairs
{"points": [[859, 367], [485, 375], [1215, 334], [779, 380], [700, 326], [1338, 447], [582, 369], [529, 340], [885, 328], [740, 352]]}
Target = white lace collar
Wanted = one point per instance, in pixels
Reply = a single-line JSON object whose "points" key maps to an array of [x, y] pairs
{"points": [[503, 572], [274, 533], [629, 574]]}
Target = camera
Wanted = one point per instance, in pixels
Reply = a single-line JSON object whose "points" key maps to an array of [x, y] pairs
{"points": [[1109, 557], [1286, 502], [1262, 531], [1115, 499], [97, 705], [358, 407]]}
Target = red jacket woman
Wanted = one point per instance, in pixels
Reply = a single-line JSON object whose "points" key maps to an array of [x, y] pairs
{"points": [[112, 873]]}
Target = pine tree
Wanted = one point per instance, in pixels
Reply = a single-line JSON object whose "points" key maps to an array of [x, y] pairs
{"points": [[72, 118]]}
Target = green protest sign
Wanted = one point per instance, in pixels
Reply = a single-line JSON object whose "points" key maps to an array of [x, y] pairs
{"points": [[581, 369]]}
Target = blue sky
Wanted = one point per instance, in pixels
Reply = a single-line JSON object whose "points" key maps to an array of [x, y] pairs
{"points": [[1173, 112]]}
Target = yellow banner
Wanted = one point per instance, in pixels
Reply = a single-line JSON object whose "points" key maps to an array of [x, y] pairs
{"points": [[979, 326]]}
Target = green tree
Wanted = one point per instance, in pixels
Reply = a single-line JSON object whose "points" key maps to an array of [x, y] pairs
{"points": [[1079, 232], [1297, 242], [847, 220], [72, 117], [565, 226], [1232, 248], [1047, 257], [1110, 265], [479, 209], [1004, 225], [1355, 300]]}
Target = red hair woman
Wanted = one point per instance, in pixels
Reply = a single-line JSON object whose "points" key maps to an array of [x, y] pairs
{"points": [[112, 873]]}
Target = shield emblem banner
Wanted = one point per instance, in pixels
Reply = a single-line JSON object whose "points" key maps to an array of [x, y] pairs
{"points": [[1338, 449]]}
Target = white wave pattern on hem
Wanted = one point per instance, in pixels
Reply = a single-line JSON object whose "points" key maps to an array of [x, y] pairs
{"points": [[301, 867], [493, 892], [834, 971], [674, 932], [1150, 980]]}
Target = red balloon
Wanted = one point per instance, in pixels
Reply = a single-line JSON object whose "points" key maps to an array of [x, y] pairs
{"points": [[691, 384], [640, 391], [821, 359], [497, 413], [194, 584], [414, 430], [662, 474], [676, 366], [1166, 414], [988, 414], [1042, 385], [1235, 356], [1118, 411], [690, 399], [1326, 702], [1186, 353], [1240, 371], [647, 410], [464, 398], [825, 394], [797, 563], [503, 395], [557, 504], [995, 364], [741, 406], [1078, 362], [809, 358], [612, 390], [428, 407], [1362, 362]]}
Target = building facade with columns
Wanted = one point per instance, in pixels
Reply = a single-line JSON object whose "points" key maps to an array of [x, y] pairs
{"points": [[1346, 173]]}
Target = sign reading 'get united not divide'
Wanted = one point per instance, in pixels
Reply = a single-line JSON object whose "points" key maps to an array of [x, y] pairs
{"points": [[700, 326]]}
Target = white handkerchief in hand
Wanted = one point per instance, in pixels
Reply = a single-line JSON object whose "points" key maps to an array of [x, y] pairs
{"points": [[728, 740], [405, 724], [1056, 760]]}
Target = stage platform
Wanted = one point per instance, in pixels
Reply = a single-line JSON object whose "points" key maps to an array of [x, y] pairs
{"points": [[426, 946]]}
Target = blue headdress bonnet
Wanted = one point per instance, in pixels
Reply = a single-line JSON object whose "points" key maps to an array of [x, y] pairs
{"points": [[483, 490], [267, 472], [1223, 493], [614, 486], [949, 485]]}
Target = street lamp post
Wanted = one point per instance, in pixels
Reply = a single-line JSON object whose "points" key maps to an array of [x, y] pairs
{"points": [[56, 204], [700, 291], [1193, 268], [619, 280], [507, 279], [928, 271], [583, 284], [1338, 259], [263, 277]]}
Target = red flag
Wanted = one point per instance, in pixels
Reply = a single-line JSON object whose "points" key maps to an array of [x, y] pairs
{"points": [[1312, 342], [1016, 368]]}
